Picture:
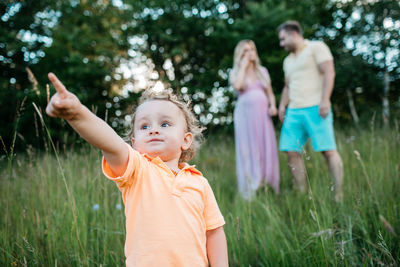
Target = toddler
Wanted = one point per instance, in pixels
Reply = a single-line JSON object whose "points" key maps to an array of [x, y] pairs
{"points": [[172, 217]]}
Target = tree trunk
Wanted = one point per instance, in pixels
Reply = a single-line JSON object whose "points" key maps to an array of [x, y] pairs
{"points": [[353, 111]]}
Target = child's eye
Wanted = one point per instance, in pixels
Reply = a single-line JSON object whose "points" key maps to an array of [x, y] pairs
{"points": [[144, 127], [165, 124]]}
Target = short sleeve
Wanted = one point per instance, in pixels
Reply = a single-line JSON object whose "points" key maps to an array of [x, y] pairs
{"points": [[212, 214], [126, 179], [321, 52], [285, 65]]}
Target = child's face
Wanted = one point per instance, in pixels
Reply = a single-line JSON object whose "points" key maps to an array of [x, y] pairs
{"points": [[160, 130]]}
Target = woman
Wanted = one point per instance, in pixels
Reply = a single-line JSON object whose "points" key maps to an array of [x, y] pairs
{"points": [[256, 151]]}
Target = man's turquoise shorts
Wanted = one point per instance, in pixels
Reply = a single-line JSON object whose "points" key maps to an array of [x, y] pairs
{"points": [[303, 123]]}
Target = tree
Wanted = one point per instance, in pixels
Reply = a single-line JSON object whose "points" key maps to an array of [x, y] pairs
{"points": [[191, 44], [22, 39], [82, 42], [186, 44], [372, 30]]}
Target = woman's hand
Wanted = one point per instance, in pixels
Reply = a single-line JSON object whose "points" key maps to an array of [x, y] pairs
{"points": [[273, 111], [244, 63]]}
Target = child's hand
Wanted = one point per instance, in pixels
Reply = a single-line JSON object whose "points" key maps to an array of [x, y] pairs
{"points": [[63, 104]]}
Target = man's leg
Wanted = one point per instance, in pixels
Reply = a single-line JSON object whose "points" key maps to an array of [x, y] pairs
{"points": [[323, 139], [335, 166], [298, 170], [293, 138]]}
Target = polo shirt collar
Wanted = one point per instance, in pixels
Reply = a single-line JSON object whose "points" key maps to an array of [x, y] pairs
{"points": [[191, 168], [183, 165]]}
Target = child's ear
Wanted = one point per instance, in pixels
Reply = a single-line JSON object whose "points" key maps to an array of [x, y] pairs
{"points": [[187, 141]]}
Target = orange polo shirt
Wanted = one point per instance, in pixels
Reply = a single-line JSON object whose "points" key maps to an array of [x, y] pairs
{"points": [[167, 216]]}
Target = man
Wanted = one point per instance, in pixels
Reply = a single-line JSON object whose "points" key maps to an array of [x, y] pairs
{"points": [[309, 80]]}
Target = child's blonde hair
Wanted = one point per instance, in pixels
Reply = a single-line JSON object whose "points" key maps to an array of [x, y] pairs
{"points": [[192, 123]]}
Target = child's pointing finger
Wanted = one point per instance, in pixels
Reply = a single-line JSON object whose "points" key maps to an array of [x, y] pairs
{"points": [[60, 88]]}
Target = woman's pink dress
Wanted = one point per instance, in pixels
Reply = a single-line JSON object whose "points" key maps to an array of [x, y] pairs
{"points": [[257, 159]]}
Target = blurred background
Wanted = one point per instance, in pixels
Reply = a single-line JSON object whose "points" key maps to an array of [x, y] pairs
{"points": [[106, 52], [56, 207]]}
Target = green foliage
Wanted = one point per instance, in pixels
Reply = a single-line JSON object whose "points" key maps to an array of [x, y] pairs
{"points": [[85, 42], [82, 42], [365, 42], [373, 24], [66, 212], [199, 38], [17, 19]]}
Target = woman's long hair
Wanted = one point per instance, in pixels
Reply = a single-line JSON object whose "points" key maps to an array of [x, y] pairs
{"points": [[237, 58]]}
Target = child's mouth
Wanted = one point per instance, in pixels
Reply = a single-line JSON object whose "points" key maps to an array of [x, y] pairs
{"points": [[155, 140]]}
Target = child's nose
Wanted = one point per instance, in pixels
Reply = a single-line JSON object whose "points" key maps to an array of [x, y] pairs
{"points": [[154, 131]]}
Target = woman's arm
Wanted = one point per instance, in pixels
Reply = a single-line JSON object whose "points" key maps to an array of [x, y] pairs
{"points": [[237, 81], [271, 98], [217, 251]]}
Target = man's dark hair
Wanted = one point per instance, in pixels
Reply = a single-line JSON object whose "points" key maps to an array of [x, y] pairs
{"points": [[290, 26]]}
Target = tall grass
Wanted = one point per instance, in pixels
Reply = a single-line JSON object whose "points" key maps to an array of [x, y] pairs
{"points": [[64, 212]]}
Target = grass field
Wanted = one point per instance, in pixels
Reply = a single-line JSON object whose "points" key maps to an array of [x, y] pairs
{"points": [[57, 209]]}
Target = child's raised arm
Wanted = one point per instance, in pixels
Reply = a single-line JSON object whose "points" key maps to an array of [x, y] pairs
{"points": [[97, 132]]}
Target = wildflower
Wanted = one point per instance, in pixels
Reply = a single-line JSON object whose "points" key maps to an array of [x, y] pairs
{"points": [[96, 207], [118, 206], [357, 154]]}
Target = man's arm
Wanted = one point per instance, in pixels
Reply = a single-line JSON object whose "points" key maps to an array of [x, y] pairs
{"points": [[328, 71], [217, 251], [284, 101], [94, 130]]}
